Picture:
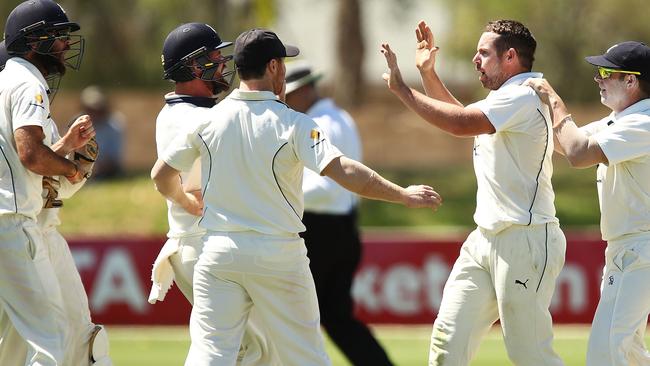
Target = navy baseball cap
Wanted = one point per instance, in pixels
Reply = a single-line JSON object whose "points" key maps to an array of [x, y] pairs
{"points": [[257, 46], [628, 56]]}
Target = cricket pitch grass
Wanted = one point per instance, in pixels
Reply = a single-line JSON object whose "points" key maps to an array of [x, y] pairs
{"points": [[406, 345]]}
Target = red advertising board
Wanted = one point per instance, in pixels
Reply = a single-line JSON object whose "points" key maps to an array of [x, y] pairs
{"points": [[399, 281]]}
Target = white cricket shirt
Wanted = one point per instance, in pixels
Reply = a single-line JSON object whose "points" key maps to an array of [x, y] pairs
{"points": [[253, 150], [513, 166], [178, 117], [322, 194], [624, 184], [24, 102]]}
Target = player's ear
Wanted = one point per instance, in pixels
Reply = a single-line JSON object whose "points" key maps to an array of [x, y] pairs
{"points": [[631, 81]]}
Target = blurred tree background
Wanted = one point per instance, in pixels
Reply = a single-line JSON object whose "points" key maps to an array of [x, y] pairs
{"points": [[124, 40], [124, 37]]}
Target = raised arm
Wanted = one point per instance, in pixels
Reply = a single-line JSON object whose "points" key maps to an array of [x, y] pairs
{"points": [[451, 118], [360, 179], [425, 60], [581, 151], [39, 158]]}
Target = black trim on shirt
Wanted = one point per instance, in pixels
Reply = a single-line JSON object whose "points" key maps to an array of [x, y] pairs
{"points": [[205, 102], [545, 255], [541, 166], [13, 184], [205, 189], [276, 179]]}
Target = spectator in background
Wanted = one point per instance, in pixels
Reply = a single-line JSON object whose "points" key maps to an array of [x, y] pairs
{"points": [[108, 125], [332, 237]]}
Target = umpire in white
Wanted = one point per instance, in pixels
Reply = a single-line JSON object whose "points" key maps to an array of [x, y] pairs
{"points": [[253, 149], [38, 39], [332, 236], [619, 144]]}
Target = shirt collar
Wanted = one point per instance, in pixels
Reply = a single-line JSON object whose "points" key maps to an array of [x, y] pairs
{"points": [[258, 95], [520, 78], [640, 106], [16, 63], [205, 102]]}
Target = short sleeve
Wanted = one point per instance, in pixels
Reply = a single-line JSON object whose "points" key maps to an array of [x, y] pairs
{"points": [[30, 106], [181, 153], [596, 126], [312, 146], [626, 139], [509, 109]]}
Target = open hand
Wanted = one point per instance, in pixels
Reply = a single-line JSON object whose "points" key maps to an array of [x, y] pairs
{"points": [[393, 77], [419, 196], [543, 89], [425, 52]]}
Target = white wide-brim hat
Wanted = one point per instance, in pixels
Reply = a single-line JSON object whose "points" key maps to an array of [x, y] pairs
{"points": [[299, 73]]}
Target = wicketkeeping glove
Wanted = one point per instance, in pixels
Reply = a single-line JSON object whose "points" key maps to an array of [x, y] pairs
{"points": [[85, 157], [51, 193]]}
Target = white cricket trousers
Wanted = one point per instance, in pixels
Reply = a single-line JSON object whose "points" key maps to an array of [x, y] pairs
{"points": [[507, 276], [254, 350], [79, 326], [32, 309], [241, 271], [618, 329]]}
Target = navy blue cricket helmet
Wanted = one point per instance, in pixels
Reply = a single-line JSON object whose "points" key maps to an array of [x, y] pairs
{"points": [[34, 25], [188, 46]]}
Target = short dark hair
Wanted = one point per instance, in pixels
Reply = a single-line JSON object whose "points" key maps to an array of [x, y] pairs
{"points": [[513, 34], [251, 72], [644, 85]]}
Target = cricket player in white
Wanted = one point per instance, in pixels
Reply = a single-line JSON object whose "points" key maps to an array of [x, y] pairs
{"points": [[192, 58], [620, 145], [507, 267], [84, 335], [253, 150], [31, 303]]}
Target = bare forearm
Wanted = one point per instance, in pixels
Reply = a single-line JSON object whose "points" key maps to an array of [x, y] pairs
{"points": [[447, 117], [435, 88], [558, 108], [580, 150], [61, 148], [41, 160], [167, 182], [363, 181]]}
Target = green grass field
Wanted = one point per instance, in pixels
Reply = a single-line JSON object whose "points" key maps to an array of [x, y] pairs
{"points": [[114, 206], [406, 345]]}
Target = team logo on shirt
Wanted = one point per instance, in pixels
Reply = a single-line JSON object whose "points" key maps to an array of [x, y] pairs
{"points": [[316, 135], [38, 101]]}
